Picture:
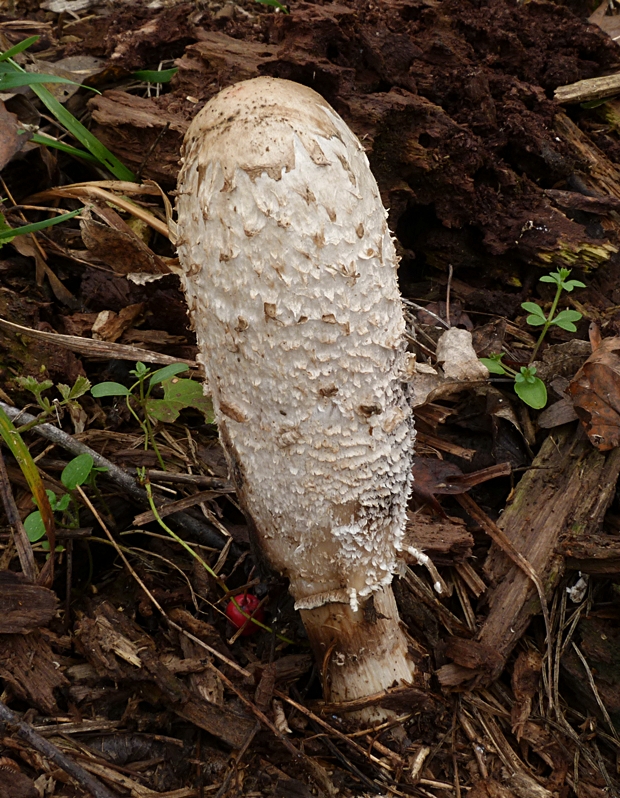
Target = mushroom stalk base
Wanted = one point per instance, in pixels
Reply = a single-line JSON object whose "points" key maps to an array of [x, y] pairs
{"points": [[360, 653]]}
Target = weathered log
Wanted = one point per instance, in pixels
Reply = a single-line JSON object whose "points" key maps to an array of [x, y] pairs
{"points": [[568, 489]]}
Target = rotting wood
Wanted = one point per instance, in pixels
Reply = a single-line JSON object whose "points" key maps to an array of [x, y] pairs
{"points": [[592, 554], [24, 607], [51, 752], [586, 90], [569, 487], [119, 649], [27, 667], [600, 175]]}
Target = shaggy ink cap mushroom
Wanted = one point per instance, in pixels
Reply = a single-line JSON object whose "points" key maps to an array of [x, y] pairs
{"points": [[290, 275]]}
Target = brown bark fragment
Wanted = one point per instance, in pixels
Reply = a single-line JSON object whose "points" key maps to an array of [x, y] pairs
{"points": [[117, 648], [30, 668], [24, 607]]}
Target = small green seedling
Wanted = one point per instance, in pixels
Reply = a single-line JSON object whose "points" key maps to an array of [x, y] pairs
{"points": [[79, 471], [528, 387], [178, 394], [69, 395]]}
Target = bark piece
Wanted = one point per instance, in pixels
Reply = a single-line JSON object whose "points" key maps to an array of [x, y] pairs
{"points": [[118, 649], [120, 116], [594, 554], [24, 607], [445, 541], [29, 666], [588, 90], [569, 486]]}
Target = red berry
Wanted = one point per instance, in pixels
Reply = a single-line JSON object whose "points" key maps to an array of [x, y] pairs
{"points": [[248, 602]]}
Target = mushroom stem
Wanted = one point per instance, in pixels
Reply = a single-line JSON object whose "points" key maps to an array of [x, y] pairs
{"points": [[360, 652]]}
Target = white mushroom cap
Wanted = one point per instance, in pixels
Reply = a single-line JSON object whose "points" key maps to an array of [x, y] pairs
{"points": [[290, 275]]}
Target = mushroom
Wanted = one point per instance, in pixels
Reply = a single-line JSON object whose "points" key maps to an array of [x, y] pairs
{"points": [[289, 270]]}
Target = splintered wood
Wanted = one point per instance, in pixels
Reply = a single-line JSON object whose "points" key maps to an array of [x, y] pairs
{"points": [[566, 492]]}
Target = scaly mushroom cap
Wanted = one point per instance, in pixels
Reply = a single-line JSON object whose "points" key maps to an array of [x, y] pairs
{"points": [[290, 275]]}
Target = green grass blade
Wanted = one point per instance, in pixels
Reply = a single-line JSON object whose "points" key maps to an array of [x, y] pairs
{"points": [[83, 135], [14, 80], [19, 48], [49, 141], [7, 234], [20, 452], [76, 128], [156, 75]]}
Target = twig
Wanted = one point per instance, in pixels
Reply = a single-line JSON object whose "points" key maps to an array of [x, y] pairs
{"points": [[148, 593], [49, 750], [22, 544], [201, 530]]}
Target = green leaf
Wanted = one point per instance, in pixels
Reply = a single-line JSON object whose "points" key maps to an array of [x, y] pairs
{"points": [[533, 393], [493, 365], [77, 471], [49, 141], [141, 371], [168, 371], [573, 284], [63, 502], [274, 4], [8, 234], [109, 389], [80, 386], [156, 75], [179, 394], [534, 309], [34, 526], [19, 48], [33, 385], [565, 319], [52, 498], [13, 80], [535, 321]]}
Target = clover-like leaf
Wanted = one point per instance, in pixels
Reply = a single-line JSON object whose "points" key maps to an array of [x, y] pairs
{"points": [[34, 526], [179, 394], [532, 392], [534, 309], [565, 319], [493, 364], [63, 503]]}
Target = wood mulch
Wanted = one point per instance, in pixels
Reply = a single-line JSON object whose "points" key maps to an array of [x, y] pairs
{"points": [[492, 129]]}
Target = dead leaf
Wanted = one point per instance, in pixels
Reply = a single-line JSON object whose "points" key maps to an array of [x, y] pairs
{"points": [[109, 326], [431, 476], [11, 141], [595, 391], [118, 246]]}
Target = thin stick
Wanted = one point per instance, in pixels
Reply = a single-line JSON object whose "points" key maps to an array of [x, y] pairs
{"points": [[201, 530], [49, 750], [22, 544], [148, 593]]}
